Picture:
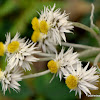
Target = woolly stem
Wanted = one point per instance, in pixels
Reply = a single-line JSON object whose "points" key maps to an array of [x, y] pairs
{"points": [[36, 74], [78, 46], [44, 59], [45, 54], [88, 54], [96, 61], [76, 24]]}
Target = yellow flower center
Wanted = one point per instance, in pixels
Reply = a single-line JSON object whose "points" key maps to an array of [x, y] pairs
{"points": [[35, 36], [40, 29], [13, 46], [53, 66], [1, 74], [44, 27], [71, 81], [35, 23], [2, 49]]}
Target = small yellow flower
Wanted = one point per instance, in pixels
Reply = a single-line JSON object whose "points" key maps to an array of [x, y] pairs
{"points": [[13, 46], [35, 23], [44, 27], [2, 49], [35, 36], [53, 66], [71, 81], [40, 29]]}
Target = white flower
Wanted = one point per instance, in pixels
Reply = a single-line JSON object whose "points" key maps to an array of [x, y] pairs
{"points": [[50, 28], [10, 79], [16, 38], [63, 60], [20, 53], [81, 79], [58, 23]]}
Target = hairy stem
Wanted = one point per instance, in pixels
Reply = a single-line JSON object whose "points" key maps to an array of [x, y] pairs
{"points": [[78, 46], [45, 59], [45, 54], [36, 74], [96, 61], [76, 24], [88, 54]]}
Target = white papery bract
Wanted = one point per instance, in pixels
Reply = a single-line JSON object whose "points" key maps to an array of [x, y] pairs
{"points": [[50, 28], [81, 79], [10, 79], [58, 23], [47, 45], [23, 56], [16, 38], [63, 60]]}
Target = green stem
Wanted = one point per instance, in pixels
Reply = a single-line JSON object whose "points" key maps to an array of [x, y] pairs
{"points": [[76, 24], [88, 54], [45, 54], [36, 74], [97, 59], [78, 46], [44, 59]]}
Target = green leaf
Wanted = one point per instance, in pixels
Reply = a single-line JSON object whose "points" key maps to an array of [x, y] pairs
{"points": [[55, 90]]}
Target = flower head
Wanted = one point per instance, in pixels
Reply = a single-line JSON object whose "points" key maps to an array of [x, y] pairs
{"points": [[9, 79], [51, 26], [13, 46], [53, 66], [58, 23], [63, 60], [20, 53], [71, 81], [81, 79]]}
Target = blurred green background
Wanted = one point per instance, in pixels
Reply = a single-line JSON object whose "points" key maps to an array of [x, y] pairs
{"points": [[16, 16]]}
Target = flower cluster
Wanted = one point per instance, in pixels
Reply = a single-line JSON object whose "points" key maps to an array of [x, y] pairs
{"points": [[19, 55], [49, 31], [50, 28], [77, 78]]}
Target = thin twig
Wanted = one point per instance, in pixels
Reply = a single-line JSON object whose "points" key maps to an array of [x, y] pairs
{"points": [[45, 54], [91, 17], [87, 29], [44, 59], [36, 74], [88, 53], [79, 46], [96, 61]]}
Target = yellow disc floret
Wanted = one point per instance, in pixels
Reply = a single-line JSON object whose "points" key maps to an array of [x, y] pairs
{"points": [[13, 46], [35, 23], [35, 36], [44, 27], [40, 29], [1, 49], [53, 66], [71, 81], [1, 74]]}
